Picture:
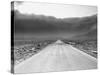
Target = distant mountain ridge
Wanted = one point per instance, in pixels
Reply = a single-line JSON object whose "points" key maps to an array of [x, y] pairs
{"points": [[40, 24]]}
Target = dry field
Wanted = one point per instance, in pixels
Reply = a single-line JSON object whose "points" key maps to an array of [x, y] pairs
{"points": [[24, 49], [88, 46]]}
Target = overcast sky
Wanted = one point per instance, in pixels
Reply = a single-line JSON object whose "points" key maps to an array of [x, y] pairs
{"points": [[39, 26], [56, 10]]}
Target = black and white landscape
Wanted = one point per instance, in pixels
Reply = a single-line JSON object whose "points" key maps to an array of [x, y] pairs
{"points": [[53, 37]]}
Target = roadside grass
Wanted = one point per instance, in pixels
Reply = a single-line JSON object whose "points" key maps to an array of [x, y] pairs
{"points": [[87, 46], [24, 49]]}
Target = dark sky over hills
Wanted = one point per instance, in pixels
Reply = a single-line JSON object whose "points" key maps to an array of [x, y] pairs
{"points": [[40, 26]]}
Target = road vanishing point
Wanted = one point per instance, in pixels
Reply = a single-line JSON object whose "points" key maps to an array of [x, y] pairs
{"points": [[57, 57]]}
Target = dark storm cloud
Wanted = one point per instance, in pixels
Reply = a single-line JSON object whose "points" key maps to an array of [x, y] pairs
{"points": [[48, 25]]}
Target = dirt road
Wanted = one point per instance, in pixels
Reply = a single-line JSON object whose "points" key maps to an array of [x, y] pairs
{"points": [[57, 57]]}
